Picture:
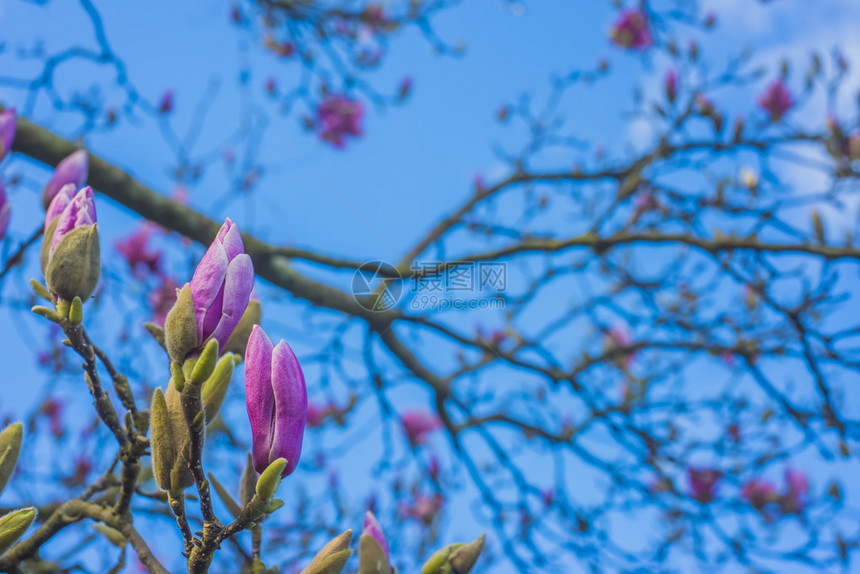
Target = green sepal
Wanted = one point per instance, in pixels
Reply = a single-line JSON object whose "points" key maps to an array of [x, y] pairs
{"points": [[76, 311], [205, 363], [41, 290], [14, 525], [333, 557], [47, 313], [215, 388], [156, 332], [10, 448], [180, 326], [270, 479]]}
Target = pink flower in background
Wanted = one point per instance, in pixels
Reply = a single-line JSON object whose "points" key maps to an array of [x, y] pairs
{"points": [[794, 499], [5, 211], [619, 337], [631, 31], [317, 414], [759, 492], [135, 250], [776, 100], [162, 299], [548, 497], [423, 508], [8, 125], [405, 88], [433, 468], [704, 483], [671, 85], [165, 106], [53, 409], [418, 424], [338, 117], [271, 86]]}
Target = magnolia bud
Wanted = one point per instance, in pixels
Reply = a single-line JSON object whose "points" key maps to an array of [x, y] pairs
{"points": [[180, 326], [463, 559], [163, 455], [438, 562], [73, 267], [372, 558], [14, 525], [10, 448], [270, 479], [180, 475], [215, 388], [205, 363], [332, 558]]}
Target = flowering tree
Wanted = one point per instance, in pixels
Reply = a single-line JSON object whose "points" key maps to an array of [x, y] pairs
{"points": [[654, 372]]}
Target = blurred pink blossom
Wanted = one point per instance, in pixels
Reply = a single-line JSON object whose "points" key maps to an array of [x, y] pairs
{"points": [[338, 117], [776, 100], [418, 424], [631, 31]]}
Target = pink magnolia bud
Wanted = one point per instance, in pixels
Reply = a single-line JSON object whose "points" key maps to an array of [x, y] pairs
{"points": [[418, 424], [8, 124], [631, 31], [338, 117], [776, 100], [73, 169], [276, 400], [704, 483], [71, 249], [372, 529], [5, 212], [212, 304]]}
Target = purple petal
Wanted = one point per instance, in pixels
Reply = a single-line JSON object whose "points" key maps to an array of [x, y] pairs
{"points": [[8, 124], [291, 407], [61, 200], [207, 281], [259, 397], [233, 300], [5, 212], [231, 238], [80, 211]]}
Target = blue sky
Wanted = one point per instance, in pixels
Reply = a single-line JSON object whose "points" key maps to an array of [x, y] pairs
{"points": [[415, 162]]}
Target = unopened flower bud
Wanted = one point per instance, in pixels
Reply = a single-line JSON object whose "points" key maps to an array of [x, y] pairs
{"points": [[277, 401], [372, 557], [270, 479], [216, 297], [8, 125], [463, 559], [215, 388], [163, 455], [180, 327], [332, 558], [205, 363], [180, 475], [14, 525], [73, 265], [10, 448]]}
